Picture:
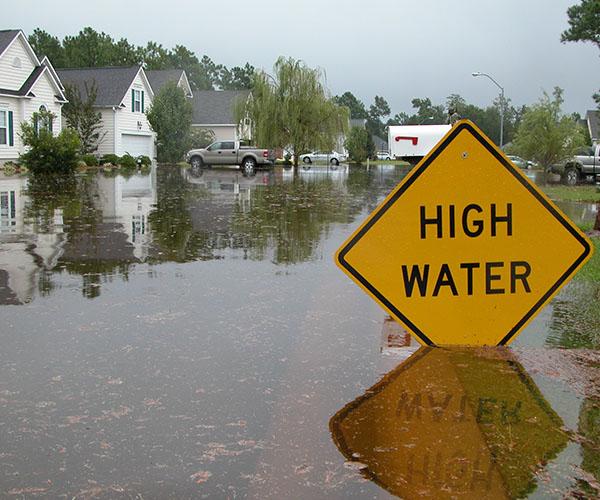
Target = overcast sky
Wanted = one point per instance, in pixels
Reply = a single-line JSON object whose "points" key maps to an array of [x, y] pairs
{"points": [[398, 49]]}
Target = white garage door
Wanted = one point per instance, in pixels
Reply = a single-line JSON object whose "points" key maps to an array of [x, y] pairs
{"points": [[137, 145]]}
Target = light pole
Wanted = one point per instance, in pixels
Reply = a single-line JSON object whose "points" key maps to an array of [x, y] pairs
{"points": [[479, 73]]}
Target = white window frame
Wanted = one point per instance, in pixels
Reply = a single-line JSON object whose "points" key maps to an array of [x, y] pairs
{"points": [[137, 100], [4, 128]]}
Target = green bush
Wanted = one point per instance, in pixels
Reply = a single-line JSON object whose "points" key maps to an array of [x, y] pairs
{"points": [[127, 161], [47, 153], [146, 161], [110, 158], [90, 160]]}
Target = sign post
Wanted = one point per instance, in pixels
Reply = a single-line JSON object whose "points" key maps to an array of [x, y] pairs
{"points": [[466, 250]]}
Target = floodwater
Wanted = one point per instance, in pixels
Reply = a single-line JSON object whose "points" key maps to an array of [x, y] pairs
{"points": [[181, 334]]}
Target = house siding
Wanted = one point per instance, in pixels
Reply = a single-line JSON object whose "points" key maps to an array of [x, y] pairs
{"points": [[16, 106], [107, 142], [222, 132], [127, 120], [44, 92], [12, 78]]}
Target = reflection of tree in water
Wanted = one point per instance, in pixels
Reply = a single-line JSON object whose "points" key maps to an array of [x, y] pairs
{"points": [[92, 248], [576, 316], [589, 428], [288, 219]]}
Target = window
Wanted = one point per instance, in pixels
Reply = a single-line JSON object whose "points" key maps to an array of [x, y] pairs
{"points": [[3, 127], [8, 212], [227, 145], [44, 123], [16, 62], [214, 146], [137, 100]]}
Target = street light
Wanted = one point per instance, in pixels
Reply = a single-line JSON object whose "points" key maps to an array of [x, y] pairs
{"points": [[479, 73]]}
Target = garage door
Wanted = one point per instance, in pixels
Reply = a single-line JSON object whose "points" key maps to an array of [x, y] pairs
{"points": [[137, 145]]}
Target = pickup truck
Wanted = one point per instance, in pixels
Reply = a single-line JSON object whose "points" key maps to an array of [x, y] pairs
{"points": [[229, 153], [585, 164]]}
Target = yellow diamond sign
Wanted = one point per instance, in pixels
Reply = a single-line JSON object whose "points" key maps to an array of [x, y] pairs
{"points": [[466, 249]]}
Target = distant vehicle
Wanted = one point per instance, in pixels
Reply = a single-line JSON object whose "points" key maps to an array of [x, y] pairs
{"points": [[230, 153], [518, 161], [413, 142], [585, 164], [383, 155], [332, 157]]}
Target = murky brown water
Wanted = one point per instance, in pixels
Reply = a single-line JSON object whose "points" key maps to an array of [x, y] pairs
{"points": [[186, 334]]}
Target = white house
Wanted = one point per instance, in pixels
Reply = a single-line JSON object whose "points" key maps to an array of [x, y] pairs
{"points": [[123, 96], [213, 110], [27, 85]]}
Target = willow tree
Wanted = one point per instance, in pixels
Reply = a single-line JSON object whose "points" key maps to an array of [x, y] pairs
{"points": [[293, 110]]}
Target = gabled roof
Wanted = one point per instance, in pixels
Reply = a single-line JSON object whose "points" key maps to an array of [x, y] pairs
{"points": [[26, 88], [112, 83], [215, 107], [159, 77], [46, 62], [593, 121], [7, 37]]}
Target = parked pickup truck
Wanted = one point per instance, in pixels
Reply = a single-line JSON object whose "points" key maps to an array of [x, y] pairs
{"points": [[585, 164], [229, 153]]}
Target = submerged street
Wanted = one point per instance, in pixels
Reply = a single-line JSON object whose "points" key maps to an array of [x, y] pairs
{"points": [[185, 333]]}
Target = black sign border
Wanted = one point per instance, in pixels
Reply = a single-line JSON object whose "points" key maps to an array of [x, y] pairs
{"points": [[413, 176]]}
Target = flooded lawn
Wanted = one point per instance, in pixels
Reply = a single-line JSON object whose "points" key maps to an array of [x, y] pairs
{"points": [[186, 334]]}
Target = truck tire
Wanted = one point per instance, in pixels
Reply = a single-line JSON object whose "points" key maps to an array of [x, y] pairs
{"points": [[248, 166], [196, 162], [334, 161], [571, 176], [307, 160]]}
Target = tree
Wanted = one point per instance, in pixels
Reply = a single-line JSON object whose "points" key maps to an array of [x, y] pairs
{"points": [[378, 110], [80, 115], [45, 44], [236, 78], [171, 119], [545, 134], [584, 26], [584, 23], [47, 154], [88, 49], [200, 138], [292, 110], [355, 105], [357, 144]]}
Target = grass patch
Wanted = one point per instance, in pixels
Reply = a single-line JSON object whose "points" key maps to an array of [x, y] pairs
{"points": [[589, 194], [591, 271]]}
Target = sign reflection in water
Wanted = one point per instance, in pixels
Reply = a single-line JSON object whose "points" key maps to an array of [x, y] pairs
{"points": [[451, 423]]}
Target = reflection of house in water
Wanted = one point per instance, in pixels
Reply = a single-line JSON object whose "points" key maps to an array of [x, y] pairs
{"points": [[128, 202], [27, 246], [227, 191]]}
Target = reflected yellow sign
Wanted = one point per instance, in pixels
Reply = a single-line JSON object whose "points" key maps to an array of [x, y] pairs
{"points": [[451, 423], [466, 249]]}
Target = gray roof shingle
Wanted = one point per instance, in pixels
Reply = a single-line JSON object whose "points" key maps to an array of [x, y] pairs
{"points": [[6, 37], [112, 83], [215, 107], [159, 77]]}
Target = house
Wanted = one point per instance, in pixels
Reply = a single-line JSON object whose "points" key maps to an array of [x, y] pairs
{"points": [[213, 110], [159, 77], [123, 96], [27, 85], [380, 144]]}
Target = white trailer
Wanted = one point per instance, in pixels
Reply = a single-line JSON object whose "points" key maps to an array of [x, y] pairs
{"points": [[413, 142]]}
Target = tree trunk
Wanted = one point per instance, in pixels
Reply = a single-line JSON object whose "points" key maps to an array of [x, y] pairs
{"points": [[295, 167], [597, 223]]}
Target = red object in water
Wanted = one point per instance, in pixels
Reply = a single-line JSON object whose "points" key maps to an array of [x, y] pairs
{"points": [[414, 140]]}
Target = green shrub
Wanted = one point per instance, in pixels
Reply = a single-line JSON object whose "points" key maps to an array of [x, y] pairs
{"points": [[127, 161], [110, 158], [90, 160], [47, 153], [146, 161]]}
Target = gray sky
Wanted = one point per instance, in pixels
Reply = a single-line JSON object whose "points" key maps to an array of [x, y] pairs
{"points": [[398, 49]]}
